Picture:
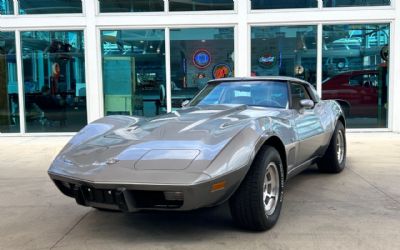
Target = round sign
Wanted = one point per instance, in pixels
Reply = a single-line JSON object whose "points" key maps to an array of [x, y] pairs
{"points": [[298, 70], [201, 58], [221, 70], [385, 53]]}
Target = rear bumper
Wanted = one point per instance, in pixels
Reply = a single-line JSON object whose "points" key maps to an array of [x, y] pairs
{"points": [[132, 197]]}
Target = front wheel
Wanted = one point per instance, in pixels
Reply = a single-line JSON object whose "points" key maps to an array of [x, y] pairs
{"points": [[257, 203], [334, 159]]}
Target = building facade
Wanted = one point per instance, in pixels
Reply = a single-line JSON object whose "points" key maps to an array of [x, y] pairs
{"points": [[66, 63]]}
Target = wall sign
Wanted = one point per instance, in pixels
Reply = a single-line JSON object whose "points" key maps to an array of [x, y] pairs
{"points": [[221, 70], [267, 61], [385, 53], [201, 59], [298, 70]]}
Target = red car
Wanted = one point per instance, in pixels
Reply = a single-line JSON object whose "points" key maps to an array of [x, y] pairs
{"points": [[356, 91]]}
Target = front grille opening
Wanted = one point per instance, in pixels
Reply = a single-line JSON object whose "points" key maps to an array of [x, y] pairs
{"points": [[66, 188], [104, 196], [155, 199], [100, 195]]}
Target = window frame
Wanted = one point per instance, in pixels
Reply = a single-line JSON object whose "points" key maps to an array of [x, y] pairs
{"points": [[307, 91]]}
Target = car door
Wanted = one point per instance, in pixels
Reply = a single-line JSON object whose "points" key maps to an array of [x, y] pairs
{"points": [[361, 94], [307, 123]]}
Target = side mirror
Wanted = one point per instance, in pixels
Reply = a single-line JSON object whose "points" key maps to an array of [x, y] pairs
{"points": [[307, 103], [185, 103]]}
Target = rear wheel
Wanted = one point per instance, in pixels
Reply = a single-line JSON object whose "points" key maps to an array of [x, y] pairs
{"points": [[257, 203], [334, 159]]}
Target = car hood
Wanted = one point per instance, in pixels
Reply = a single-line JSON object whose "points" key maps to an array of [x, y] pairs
{"points": [[198, 132], [184, 142]]}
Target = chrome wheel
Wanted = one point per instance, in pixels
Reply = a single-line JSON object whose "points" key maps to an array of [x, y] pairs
{"points": [[340, 146], [271, 188]]}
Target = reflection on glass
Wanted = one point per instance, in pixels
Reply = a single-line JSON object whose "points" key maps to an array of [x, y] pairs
{"points": [[9, 109], [355, 71], [284, 51], [50, 6], [286, 4], [349, 3], [263, 94], [131, 5], [200, 5], [197, 56], [54, 81], [134, 72], [6, 7]]}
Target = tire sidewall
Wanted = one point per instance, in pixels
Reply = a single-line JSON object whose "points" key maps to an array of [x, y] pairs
{"points": [[271, 155], [340, 126]]}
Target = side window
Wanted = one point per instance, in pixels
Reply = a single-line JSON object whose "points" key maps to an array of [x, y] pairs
{"points": [[374, 79], [298, 93], [364, 80], [356, 80]]}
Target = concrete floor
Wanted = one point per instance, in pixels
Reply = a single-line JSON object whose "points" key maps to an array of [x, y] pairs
{"points": [[357, 209]]}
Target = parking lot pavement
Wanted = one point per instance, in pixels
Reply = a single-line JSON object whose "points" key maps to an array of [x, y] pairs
{"points": [[357, 209]]}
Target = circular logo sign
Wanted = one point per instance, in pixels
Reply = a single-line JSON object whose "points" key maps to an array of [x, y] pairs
{"points": [[267, 61], [385, 53], [298, 70], [221, 70], [201, 59]]}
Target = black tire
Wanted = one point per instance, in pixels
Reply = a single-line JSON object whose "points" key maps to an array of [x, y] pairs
{"points": [[330, 162], [247, 204]]}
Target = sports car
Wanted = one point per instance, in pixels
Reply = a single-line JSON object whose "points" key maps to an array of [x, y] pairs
{"points": [[238, 140]]}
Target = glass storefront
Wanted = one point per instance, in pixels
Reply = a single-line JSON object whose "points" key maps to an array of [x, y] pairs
{"points": [[286, 4], [200, 5], [353, 56], [355, 72], [9, 108], [54, 80], [131, 5], [6, 7], [49, 6], [197, 56], [350, 3], [134, 72], [284, 51]]}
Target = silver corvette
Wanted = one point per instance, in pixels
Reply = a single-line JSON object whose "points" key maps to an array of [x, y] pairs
{"points": [[238, 140]]}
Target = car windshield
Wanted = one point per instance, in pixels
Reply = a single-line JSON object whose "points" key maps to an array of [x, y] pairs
{"points": [[253, 93]]}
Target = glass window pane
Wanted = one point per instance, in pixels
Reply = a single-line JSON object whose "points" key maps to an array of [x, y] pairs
{"points": [[286, 4], [134, 72], [6, 7], [284, 51], [54, 81], [349, 3], [355, 72], [200, 5], [131, 5], [50, 6], [263, 94], [9, 108], [197, 56]]}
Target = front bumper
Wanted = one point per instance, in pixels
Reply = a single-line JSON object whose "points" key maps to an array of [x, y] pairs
{"points": [[132, 197]]}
